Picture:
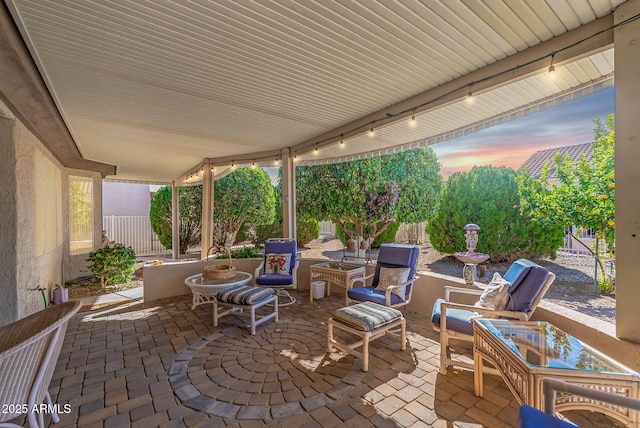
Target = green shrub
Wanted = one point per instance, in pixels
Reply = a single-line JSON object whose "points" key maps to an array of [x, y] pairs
{"points": [[388, 236], [490, 198], [307, 231], [113, 264], [242, 253], [247, 253]]}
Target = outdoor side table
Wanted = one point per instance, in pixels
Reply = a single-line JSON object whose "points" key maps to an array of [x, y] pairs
{"points": [[337, 273], [526, 352], [205, 290]]}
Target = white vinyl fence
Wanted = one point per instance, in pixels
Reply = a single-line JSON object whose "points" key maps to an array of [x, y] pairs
{"points": [[134, 231], [327, 229]]}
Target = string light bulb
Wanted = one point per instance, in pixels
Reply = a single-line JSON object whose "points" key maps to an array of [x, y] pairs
{"points": [[341, 141], [470, 99], [253, 164], [315, 152], [413, 123], [371, 134], [552, 68]]}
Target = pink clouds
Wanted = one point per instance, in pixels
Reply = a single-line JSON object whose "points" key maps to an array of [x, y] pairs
{"points": [[512, 143]]}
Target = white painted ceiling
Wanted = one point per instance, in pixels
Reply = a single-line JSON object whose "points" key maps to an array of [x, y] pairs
{"points": [[155, 87]]}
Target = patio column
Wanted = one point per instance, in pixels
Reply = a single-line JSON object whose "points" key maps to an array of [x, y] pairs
{"points": [[207, 210], [175, 221], [627, 129], [288, 195]]}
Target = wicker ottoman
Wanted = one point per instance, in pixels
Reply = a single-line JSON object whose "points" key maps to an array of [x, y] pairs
{"points": [[368, 321], [242, 298]]}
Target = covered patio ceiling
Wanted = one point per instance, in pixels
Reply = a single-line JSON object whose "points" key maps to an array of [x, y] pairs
{"points": [[155, 88]]}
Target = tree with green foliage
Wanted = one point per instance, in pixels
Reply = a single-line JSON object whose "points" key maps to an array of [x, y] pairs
{"points": [[584, 194], [371, 193], [307, 229], [244, 196], [490, 198], [190, 208]]}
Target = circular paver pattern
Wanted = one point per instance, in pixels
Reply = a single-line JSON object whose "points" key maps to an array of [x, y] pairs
{"points": [[283, 370]]}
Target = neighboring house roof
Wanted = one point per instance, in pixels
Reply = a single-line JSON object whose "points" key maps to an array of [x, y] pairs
{"points": [[539, 158]]}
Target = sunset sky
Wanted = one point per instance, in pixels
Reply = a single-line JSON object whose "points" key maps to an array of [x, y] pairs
{"points": [[511, 143]]}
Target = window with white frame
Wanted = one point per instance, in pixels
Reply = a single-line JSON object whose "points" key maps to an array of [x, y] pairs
{"points": [[48, 216], [80, 215]]}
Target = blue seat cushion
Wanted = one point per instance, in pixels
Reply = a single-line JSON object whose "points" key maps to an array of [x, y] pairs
{"points": [[457, 319], [528, 417], [371, 294], [244, 295], [366, 316], [271, 279]]}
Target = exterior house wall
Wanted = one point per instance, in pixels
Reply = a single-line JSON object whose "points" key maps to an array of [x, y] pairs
{"points": [[22, 271], [8, 220]]}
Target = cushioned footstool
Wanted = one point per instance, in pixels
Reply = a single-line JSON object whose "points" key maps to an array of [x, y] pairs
{"points": [[368, 321], [242, 298]]}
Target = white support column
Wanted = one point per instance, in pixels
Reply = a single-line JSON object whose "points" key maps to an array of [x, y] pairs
{"points": [[288, 195], [207, 210], [175, 221], [627, 128]]}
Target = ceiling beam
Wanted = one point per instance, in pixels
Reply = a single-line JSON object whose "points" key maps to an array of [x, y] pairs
{"points": [[575, 44], [25, 94]]}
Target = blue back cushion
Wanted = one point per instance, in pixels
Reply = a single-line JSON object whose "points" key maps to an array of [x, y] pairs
{"points": [[282, 247], [527, 279], [396, 256]]}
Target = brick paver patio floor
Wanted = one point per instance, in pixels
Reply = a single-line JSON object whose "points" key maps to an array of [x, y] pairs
{"points": [[162, 364]]}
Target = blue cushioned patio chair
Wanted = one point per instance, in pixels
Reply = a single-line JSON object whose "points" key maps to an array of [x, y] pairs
{"points": [[597, 400], [393, 256], [529, 283], [281, 281]]}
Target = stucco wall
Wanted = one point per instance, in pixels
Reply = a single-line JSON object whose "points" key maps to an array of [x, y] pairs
{"points": [[8, 229], [21, 270]]}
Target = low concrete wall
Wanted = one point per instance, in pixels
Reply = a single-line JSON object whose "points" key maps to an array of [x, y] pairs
{"points": [[167, 280]]}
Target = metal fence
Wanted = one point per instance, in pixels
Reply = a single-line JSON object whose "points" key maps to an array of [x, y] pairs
{"points": [[134, 231]]}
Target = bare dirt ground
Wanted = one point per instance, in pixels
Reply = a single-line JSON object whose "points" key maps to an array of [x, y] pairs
{"points": [[91, 286], [573, 288]]}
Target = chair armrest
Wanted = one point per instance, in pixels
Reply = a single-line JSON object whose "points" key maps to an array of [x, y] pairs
{"points": [[362, 280], [294, 273], [448, 289], [521, 316], [257, 272], [390, 289]]}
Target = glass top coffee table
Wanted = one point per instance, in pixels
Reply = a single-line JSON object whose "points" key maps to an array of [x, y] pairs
{"points": [[526, 352], [337, 273], [205, 290]]}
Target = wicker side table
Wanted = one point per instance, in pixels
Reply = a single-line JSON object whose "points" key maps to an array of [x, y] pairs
{"points": [[524, 353], [337, 273]]}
